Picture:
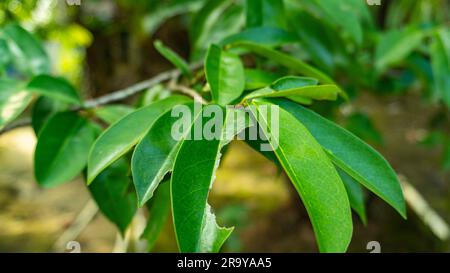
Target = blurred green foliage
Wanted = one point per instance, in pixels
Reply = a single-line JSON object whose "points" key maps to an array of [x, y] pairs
{"points": [[399, 47]]}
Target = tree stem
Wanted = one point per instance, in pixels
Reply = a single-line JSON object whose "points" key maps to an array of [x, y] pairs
{"points": [[123, 94]]}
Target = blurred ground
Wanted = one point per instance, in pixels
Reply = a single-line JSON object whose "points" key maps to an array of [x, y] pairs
{"points": [[249, 193]]}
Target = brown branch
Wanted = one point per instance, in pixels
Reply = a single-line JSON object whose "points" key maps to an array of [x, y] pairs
{"points": [[122, 94], [135, 89]]}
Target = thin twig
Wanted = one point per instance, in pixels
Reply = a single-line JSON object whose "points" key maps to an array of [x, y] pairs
{"points": [[17, 124], [78, 225], [423, 209], [187, 91], [121, 95], [132, 241], [129, 91], [136, 88]]}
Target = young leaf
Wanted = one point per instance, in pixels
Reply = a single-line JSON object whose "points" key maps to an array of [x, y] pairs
{"points": [[159, 211], [62, 148], [265, 13], [285, 60], [321, 92], [313, 175], [112, 192], [194, 172], [352, 155], [154, 156], [56, 88], [267, 36], [355, 195], [299, 89], [113, 113], [27, 51], [174, 58], [225, 75], [256, 79], [43, 109], [293, 82], [440, 56], [124, 134], [13, 100], [395, 45], [289, 62]]}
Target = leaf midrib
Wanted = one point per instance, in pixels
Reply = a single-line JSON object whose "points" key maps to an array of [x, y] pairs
{"points": [[298, 185]]}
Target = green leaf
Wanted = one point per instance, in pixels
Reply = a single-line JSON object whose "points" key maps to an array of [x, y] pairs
{"points": [[256, 79], [13, 100], [299, 89], [194, 172], [293, 82], [265, 13], [54, 87], [355, 195], [43, 109], [256, 143], [285, 60], [158, 15], [62, 148], [446, 156], [174, 58], [312, 174], [321, 92], [26, 50], [352, 155], [159, 211], [267, 36], [5, 55], [155, 155], [289, 62], [440, 56], [114, 196], [230, 22], [204, 20], [303, 89], [120, 137], [113, 113], [361, 9], [339, 13], [225, 75], [395, 45], [322, 43]]}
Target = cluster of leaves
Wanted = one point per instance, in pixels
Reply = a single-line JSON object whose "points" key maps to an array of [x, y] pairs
{"points": [[398, 46], [310, 149], [136, 162]]}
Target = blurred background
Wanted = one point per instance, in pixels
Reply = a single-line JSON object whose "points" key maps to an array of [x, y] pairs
{"points": [[103, 45]]}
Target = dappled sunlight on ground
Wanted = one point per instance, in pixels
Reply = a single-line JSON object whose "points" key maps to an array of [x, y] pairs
{"points": [[33, 218]]}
